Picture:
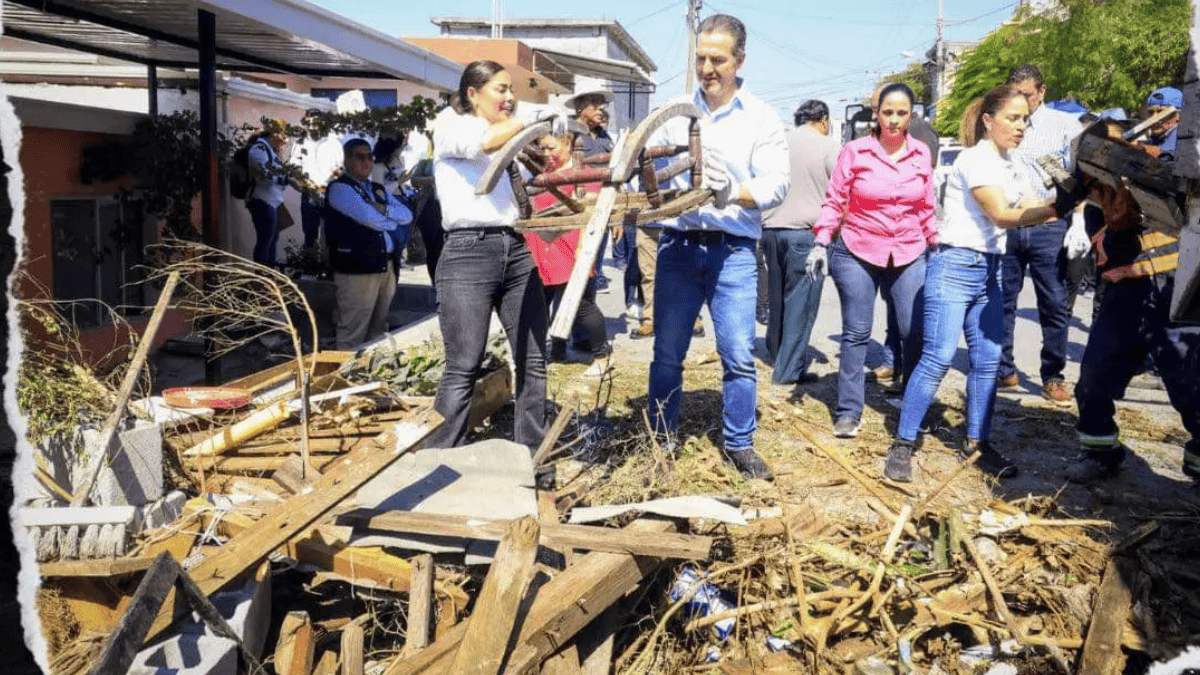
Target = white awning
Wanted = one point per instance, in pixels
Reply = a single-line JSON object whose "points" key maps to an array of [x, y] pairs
{"points": [[593, 66], [288, 36]]}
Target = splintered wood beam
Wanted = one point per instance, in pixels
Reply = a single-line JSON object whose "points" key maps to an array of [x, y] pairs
{"points": [[420, 604], [301, 512], [1102, 653], [553, 535], [561, 608], [490, 626], [593, 237], [296, 647], [352, 649]]}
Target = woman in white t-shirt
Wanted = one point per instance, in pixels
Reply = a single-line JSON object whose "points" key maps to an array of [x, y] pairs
{"points": [[484, 264], [963, 292]]}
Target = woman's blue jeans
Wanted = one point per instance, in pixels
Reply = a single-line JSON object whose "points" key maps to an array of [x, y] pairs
{"points": [[963, 294], [482, 270], [266, 229], [858, 282]]}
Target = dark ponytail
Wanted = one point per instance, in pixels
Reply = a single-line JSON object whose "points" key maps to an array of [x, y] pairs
{"points": [[475, 75]]}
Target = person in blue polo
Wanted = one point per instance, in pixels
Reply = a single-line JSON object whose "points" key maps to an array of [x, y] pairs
{"points": [[359, 217], [1163, 135]]}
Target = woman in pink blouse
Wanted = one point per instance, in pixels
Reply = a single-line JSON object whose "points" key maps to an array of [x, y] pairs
{"points": [[880, 200]]}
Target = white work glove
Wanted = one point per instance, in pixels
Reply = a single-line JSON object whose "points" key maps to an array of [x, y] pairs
{"points": [[816, 265], [532, 113], [717, 178], [1076, 241]]}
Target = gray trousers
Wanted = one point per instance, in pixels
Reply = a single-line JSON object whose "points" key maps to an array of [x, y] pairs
{"points": [[362, 306]]}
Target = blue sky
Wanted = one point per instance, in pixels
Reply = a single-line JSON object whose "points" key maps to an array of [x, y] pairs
{"points": [[834, 51]]}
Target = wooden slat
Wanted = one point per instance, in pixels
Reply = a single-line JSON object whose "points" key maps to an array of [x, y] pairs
{"points": [[297, 514], [352, 649], [553, 535], [294, 476], [420, 604], [490, 626], [1102, 653], [562, 607], [105, 567], [296, 647]]}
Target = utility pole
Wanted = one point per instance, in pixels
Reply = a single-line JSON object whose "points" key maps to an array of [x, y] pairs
{"points": [[693, 19], [939, 59]]}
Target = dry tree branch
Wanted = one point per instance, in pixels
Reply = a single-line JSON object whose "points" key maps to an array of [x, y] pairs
{"points": [[238, 301]]}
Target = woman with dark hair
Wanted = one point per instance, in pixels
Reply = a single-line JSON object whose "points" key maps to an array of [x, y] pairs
{"points": [[270, 182], [880, 201], [484, 263], [985, 196]]}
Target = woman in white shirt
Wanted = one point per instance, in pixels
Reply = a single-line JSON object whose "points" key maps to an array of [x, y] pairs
{"points": [[484, 264], [963, 291]]}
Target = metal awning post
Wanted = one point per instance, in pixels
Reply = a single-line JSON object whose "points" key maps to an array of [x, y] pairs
{"points": [[152, 88], [210, 174]]}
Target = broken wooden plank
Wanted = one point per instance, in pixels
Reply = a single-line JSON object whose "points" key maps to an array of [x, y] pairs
{"points": [[1102, 653], [420, 604], [327, 664], [256, 466], [299, 513], [352, 649], [108, 432], [490, 626], [562, 607], [553, 535], [296, 647], [100, 567]]}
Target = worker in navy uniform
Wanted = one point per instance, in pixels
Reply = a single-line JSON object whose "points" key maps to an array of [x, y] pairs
{"points": [[1133, 328], [359, 217]]}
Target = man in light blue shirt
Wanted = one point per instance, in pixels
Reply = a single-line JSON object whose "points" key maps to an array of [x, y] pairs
{"points": [[1039, 249], [359, 217], [707, 256]]}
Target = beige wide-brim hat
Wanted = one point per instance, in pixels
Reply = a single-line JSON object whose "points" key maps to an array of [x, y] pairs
{"points": [[607, 95]]}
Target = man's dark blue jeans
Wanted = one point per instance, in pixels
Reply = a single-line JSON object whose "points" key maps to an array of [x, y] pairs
{"points": [[1133, 324], [1038, 249]]}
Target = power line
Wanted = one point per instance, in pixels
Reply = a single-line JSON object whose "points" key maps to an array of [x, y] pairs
{"points": [[656, 12]]}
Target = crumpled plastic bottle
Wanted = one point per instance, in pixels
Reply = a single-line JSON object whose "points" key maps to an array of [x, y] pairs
{"points": [[707, 600]]}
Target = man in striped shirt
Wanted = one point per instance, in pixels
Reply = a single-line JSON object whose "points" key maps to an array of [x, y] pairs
{"points": [[1039, 249]]}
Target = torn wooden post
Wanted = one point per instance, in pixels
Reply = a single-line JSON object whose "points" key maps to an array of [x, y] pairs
{"points": [[420, 604], [593, 237], [352, 649], [1102, 654], [297, 514], [561, 609], [108, 432], [585, 537], [293, 476], [490, 626], [295, 650]]}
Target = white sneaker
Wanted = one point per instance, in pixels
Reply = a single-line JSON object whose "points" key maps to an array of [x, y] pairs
{"points": [[634, 311]]}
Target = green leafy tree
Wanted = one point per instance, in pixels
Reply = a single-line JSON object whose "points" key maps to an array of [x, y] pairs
{"points": [[1106, 53], [915, 76]]}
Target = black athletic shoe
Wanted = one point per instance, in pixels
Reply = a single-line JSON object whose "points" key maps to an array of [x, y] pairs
{"points": [[1096, 465], [750, 464], [899, 461]]}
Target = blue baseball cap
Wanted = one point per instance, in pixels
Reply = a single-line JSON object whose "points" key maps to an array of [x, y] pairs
{"points": [[1166, 96]]}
